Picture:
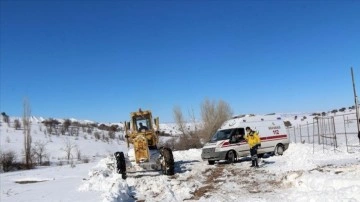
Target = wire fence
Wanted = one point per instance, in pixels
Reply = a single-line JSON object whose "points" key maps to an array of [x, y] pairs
{"points": [[328, 131]]}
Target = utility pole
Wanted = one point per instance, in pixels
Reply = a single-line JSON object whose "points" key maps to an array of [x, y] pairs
{"points": [[356, 105]]}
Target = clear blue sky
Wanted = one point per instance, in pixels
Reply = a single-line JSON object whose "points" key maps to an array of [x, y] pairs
{"points": [[99, 60]]}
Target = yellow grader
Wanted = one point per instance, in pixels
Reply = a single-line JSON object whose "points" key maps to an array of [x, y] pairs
{"points": [[142, 131]]}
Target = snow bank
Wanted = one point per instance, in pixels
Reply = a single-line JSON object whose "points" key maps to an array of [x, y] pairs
{"points": [[307, 156], [102, 178]]}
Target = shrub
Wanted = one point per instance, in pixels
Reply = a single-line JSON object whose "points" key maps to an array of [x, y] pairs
{"points": [[105, 138], [287, 124], [5, 117], [51, 125], [45, 163], [66, 124], [62, 131], [111, 134], [162, 133], [17, 124], [121, 137], [213, 115], [7, 160], [184, 142], [76, 124], [85, 159], [74, 131], [49, 130], [97, 135], [51, 122], [94, 125], [103, 127], [114, 128]]}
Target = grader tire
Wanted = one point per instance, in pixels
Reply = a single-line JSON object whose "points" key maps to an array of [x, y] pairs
{"points": [[211, 162], [167, 166], [120, 164]]}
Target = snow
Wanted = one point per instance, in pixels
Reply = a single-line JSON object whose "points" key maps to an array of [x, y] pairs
{"points": [[325, 177], [58, 183], [306, 172]]}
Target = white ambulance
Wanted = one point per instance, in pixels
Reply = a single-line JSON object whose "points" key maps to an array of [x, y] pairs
{"points": [[225, 146]]}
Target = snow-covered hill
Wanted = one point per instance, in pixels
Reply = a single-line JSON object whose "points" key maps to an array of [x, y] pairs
{"points": [[83, 142], [306, 172]]}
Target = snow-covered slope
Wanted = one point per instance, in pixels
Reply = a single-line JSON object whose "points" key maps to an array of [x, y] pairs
{"points": [[306, 172], [87, 144]]}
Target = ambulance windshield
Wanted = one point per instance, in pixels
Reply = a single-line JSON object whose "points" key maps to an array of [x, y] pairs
{"points": [[221, 135]]}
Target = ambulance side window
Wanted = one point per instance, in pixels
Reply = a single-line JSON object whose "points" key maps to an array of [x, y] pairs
{"points": [[242, 133], [238, 135]]}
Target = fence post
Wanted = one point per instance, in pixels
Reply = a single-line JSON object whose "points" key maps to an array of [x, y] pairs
{"points": [[313, 136], [308, 131], [317, 120], [300, 134], [347, 148], [333, 122]]}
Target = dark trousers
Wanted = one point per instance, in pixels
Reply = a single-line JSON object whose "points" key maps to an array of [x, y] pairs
{"points": [[254, 157]]}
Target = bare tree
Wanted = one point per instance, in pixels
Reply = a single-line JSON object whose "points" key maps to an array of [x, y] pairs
{"points": [[111, 134], [27, 133], [17, 124], [68, 147], [67, 124], [78, 152], [213, 114], [193, 120], [179, 119], [89, 130], [5, 117], [51, 125], [39, 151], [97, 135]]}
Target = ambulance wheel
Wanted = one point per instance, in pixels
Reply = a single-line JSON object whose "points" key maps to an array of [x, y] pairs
{"points": [[211, 162], [120, 164], [279, 150], [231, 156]]}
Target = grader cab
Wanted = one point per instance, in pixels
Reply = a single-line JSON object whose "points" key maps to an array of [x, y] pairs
{"points": [[142, 131]]}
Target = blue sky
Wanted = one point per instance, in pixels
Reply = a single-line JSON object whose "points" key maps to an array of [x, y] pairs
{"points": [[100, 60]]}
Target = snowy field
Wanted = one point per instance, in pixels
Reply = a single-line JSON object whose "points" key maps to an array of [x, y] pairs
{"points": [[305, 172]]}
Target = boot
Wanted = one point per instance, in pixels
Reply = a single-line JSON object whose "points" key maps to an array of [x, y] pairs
{"points": [[256, 163], [252, 163]]}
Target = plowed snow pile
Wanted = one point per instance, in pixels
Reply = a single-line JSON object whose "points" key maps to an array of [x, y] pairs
{"points": [[301, 174]]}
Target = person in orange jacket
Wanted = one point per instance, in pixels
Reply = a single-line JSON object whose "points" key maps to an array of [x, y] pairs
{"points": [[254, 142]]}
